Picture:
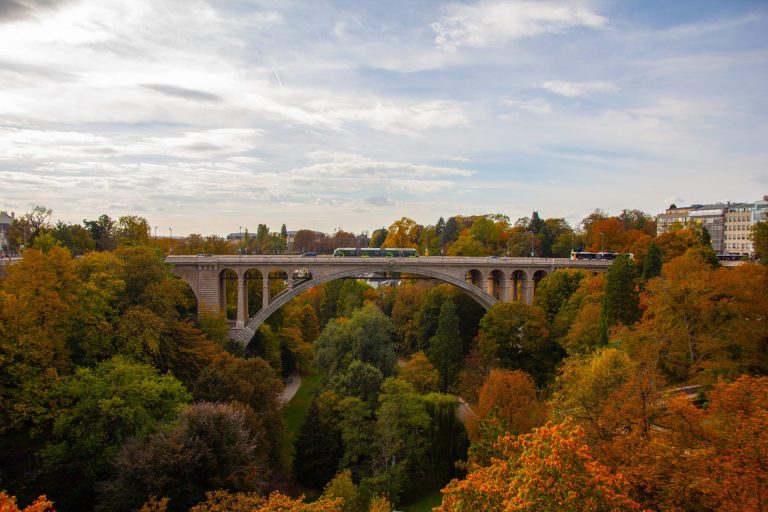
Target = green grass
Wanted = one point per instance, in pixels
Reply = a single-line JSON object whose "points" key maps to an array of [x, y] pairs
{"points": [[298, 407], [425, 504]]}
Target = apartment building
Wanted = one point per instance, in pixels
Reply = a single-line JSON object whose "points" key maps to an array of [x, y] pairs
{"points": [[729, 224]]}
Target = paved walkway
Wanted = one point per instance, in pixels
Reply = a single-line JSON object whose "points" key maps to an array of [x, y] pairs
{"points": [[292, 384]]}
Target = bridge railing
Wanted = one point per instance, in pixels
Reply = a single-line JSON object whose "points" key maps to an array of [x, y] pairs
{"points": [[346, 260]]}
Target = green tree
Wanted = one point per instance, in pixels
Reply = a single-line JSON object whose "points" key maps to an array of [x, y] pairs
{"points": [[445, 346], [318, 446], [401, 440], [759, 237], [356, 434], [554, 291], [74, 237], [517, 337], [620, 300], [360, 380], [103, 232], [378, 237], [447, 437], [420, 373], [96, 411], [366, 336], [653, 262], [133, 230]]}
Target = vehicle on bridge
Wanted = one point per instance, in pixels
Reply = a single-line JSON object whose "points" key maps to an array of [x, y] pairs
{"points": [[376, 252], [583, 255]]}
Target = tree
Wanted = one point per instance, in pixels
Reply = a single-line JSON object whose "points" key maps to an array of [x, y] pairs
{"points": [[343, 487], [366, 336], [466, 245], [512, 398], [360, 380], [554, 291], [445, 346], [356, 434], [318, 447], [759, 237], [420, 373], [652, 263], [103, 232], [517, 337], [74, 237], [214, 446], [378, 237], [548, 469], [251, 382], [224, 501], [447, 437], [96, 411], [620, 300], [584, 383], [575, 327], [403, 233], [401, 440], [133, 230], [8, 504]]}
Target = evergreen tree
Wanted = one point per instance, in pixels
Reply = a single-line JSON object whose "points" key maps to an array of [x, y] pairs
{"points": [[652, 263], [445, 346], [704, 237], [283, 232], [378, 237], [620, 298], [318, 445], [452, 229]]}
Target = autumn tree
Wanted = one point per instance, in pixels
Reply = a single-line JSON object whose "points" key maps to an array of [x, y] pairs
{"points": [[420, 373], [214, 446], [360, 380], [402, 233], [343, 487], [554, 291], [253, 383], [513, 398], [41, 504], [224, 501], [548, 469]]}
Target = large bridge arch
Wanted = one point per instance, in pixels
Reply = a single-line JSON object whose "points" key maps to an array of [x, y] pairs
{"points": [[252, 325]]}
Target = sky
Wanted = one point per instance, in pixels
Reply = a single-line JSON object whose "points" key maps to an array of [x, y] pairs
{"points": [[214, 116]]}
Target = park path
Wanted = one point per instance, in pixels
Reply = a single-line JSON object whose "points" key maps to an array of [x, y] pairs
{"points": [[292, 384]]}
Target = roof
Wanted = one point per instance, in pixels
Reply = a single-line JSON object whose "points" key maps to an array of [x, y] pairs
{"points": [[5, 218]]}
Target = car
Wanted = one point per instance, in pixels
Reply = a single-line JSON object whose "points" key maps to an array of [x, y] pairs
{"points": [[207, 255], [492, 258], [310, 254]]}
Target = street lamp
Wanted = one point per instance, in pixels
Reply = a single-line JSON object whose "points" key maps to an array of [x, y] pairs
{"points": [[532, 252], [170, 245], [155, 232]]}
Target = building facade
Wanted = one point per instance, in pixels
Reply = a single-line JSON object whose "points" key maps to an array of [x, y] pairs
{"points": [[729, 224], [5, 228]]}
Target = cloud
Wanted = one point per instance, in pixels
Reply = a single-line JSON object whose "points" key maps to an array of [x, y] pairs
{"points": [[183, 92], [577, 89], [536, 106], [380, 201], [495, 23]]}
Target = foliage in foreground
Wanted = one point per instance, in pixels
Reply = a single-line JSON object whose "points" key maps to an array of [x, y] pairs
{"points": [[547, 470]]}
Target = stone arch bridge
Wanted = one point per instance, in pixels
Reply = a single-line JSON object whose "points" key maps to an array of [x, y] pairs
{"points": [[487, 280]]}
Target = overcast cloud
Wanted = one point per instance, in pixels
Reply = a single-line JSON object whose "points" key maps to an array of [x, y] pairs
{"points": [[207, 115]]}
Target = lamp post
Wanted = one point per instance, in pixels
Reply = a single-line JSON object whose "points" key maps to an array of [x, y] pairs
{"points": [[170, 245], [155, 232], [532, 252]]}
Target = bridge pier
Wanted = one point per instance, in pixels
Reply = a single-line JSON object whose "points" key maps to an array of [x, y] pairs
{"points": [[527, 290]]}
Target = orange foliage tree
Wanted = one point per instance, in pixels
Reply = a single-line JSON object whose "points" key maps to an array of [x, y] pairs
{"points": [[548, 469], [8, 504]]}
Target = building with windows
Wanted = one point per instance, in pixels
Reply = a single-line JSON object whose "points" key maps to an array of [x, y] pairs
{"points": [[5, 228], [729, 224]]}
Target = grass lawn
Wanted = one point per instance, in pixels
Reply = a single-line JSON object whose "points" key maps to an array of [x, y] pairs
{"points": [[425, 503], [298, 407]]}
